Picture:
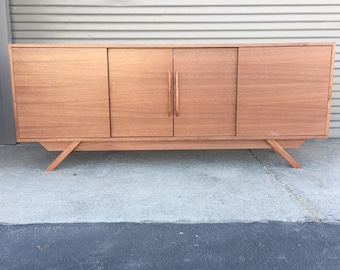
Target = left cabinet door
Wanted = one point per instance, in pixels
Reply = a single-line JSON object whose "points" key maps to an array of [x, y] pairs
{"points": [[61, 92], [141, 92]]}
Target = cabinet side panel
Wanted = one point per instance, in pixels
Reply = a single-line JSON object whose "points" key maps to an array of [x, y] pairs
{"points": [[283, 91], [206, 91], [139, 92], [61, 92], [13, 93]]}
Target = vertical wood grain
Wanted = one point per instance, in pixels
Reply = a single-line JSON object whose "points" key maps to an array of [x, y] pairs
{"points": [[206, 91], [15, 111], [331, 75], [139, 86]]}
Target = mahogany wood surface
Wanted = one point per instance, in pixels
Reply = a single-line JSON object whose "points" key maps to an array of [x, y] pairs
{"points": [[330, 90], [283, 91], [166, 145], [206, 101], [171, 97], [61, 92], [278, 149], [68, 150], [169, 139], [139, 92], [118, 46]]}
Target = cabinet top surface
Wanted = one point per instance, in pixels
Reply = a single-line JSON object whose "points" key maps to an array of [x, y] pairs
{"points": [[171, 45]]}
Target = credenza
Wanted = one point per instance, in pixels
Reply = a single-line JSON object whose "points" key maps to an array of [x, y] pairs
{"points": [[171, 97]]}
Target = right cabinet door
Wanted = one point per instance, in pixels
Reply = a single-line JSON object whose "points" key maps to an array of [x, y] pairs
{"points": [[205, 91], [283, 91]]}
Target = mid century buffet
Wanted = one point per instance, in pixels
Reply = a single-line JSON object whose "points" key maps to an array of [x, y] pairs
{"points": [[158, 97]]}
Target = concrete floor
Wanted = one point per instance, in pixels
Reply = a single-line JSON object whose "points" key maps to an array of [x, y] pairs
{"points": [[170, 186]]}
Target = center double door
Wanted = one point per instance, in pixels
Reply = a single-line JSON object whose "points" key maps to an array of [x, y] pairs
{"points": [[173, 92]]}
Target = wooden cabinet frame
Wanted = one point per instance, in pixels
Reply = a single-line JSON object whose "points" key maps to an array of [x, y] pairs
{"points": [[282, 96]]}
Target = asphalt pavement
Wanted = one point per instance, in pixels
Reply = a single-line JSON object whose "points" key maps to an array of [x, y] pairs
{"points": [[273, 245]]}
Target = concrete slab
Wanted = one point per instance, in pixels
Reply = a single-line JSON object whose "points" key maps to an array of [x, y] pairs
{"points": [[317, 183], [147, 186]]}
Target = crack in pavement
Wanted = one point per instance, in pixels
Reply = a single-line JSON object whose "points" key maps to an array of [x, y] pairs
{"points": [[287, 188]]}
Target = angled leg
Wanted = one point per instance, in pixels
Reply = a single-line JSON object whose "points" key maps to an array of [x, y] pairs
{"points": [[278, 149], [62, 156]]}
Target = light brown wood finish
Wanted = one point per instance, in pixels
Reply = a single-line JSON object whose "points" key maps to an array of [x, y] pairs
{"points": [[330, 90], [61, 96], [176, 95], [119, 46], [283, 91], [15, 111], [139, 92], [279, 149], [62, 156], [206, 101], [184, 144], [61, 92], [169, 94], [169, 139], [68, 147]]}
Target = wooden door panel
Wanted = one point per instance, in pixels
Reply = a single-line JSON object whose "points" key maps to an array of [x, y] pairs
{"points": [[139, 86], [283, 91], [61, 92], [207, 91]]}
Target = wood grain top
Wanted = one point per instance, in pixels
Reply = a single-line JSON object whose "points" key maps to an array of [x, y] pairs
{"points": [[171, 45]]}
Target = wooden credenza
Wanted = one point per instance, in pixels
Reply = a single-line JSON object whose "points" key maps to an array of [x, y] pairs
{"points": [[159, 97]]}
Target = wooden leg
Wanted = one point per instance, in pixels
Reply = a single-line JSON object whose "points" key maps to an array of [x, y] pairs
{"points": [[62, 156], [278, 149]]}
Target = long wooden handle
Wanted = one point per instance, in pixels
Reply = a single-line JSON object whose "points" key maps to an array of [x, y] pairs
{"points": [[177, 101], [169, 93]]}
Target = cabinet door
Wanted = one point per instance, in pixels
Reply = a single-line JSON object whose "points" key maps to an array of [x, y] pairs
{"points": [[139, 92], [206, 99], [61, 92], [283, 91]]}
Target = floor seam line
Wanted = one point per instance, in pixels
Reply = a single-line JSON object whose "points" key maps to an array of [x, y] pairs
{"points": [[291, 192]]}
